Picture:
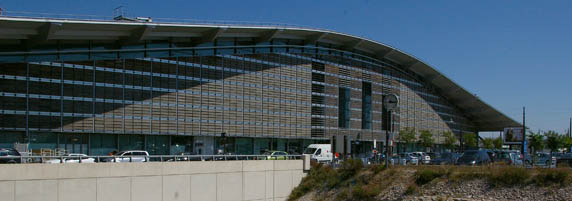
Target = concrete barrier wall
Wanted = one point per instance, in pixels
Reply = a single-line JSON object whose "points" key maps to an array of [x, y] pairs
{"points": [[168, 181]]}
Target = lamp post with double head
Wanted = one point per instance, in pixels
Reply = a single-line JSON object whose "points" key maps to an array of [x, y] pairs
{"points": [[390, 103]]}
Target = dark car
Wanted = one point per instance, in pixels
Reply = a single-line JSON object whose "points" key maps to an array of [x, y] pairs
{"points": [[446, 158], [526, 158], [6, 155], [565, 159], [474, 157], [510, 158], [433, 155]]}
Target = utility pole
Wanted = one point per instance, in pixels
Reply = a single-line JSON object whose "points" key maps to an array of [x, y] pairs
{"points": [[570, 129], [523, 148]]}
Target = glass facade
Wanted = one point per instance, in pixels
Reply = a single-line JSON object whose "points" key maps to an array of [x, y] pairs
{"points": [[274, 96], [366, 106], [344, 108]]}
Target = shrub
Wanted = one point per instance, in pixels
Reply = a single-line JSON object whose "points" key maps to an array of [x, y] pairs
{"points": [[320, 176], [365, 192], [350, 168], [411, 190], [426, 176], [467, 173], [509, 176], [342, 196], [550, 176], [377, 168]]}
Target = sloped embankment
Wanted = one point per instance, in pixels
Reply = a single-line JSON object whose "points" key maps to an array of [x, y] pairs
{"points": [[354, 182]]}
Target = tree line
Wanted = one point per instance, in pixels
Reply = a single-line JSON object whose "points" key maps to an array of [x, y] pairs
{"points": [[536, 141]]}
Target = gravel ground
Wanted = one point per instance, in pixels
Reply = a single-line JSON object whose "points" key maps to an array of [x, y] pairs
{"points": [[444, 190], [480, 190], [464, 191]]}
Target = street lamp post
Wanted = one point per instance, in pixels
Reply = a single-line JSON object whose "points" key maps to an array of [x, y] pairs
{"points": [[390, 102], [523, 146]]}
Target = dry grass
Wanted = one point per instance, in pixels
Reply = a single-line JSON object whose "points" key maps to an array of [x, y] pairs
{"points": [[353, 182]]}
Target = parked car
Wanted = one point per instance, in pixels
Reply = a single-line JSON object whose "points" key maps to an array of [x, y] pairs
{"points": [[446, 158], [129, 156], [474, 157], [526, 158], [543, 158], [434, 155], [276, 155], [565, 159], [557, 155], [72, 158], [185, 156], [397, 160], [422, 156], [510, 158], [404, 159], [7, 153]]}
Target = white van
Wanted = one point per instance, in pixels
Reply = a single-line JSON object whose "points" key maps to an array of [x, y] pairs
{"points": [[319, 152]]}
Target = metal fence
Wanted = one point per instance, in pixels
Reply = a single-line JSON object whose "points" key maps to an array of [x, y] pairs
{"points": [[142, 158], [404, 161]]}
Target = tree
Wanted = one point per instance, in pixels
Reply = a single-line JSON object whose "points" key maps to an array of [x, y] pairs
{"points": [[488, 143], [407, 136], [470, 140], [450, 140], [553, 141], [498, 143], [566, 143], [536, 142], [426, 139]]}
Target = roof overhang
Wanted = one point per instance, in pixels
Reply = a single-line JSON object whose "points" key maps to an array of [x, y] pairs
{"points": [[33, 31]]}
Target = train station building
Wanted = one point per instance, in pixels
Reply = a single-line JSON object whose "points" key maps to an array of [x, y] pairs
{"points": [[97, 86]]}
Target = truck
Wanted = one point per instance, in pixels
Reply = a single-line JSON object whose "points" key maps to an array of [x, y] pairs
{"points": [[319, 152]]}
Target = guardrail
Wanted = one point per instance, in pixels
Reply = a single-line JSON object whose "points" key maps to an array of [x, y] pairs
{"points": [[132, 159]]}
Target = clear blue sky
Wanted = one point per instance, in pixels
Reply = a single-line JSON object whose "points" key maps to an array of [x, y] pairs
{"points": [[510, 53]]}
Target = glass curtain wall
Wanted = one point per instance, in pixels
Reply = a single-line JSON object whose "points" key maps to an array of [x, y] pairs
{"points": [[344, 108]]}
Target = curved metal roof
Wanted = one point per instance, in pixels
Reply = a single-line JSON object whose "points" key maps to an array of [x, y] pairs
{"points": [[38, 30]]}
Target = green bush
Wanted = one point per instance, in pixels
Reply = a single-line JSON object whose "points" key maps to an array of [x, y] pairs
{"points": [[350, 168], [377, 168], [509, 176], [551, 177], [425, 176], [411, 190], [320, 176], [459, 174], [342, 196], [365, 192]]}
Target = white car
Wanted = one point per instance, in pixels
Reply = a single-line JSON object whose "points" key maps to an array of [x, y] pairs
{"points": [[72, 158], [425, 158], [131, 156]]}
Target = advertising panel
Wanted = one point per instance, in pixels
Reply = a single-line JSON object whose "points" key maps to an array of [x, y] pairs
{"points": [[513, 135]]}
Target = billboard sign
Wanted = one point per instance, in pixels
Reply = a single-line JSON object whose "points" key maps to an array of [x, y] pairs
{"points": [[513, 135]]}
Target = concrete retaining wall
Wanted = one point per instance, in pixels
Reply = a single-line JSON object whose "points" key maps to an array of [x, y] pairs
{"points": [[169, 181]]}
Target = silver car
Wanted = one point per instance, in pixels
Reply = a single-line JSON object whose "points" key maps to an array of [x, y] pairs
{"points": [[543, 159], [404, 159]]}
